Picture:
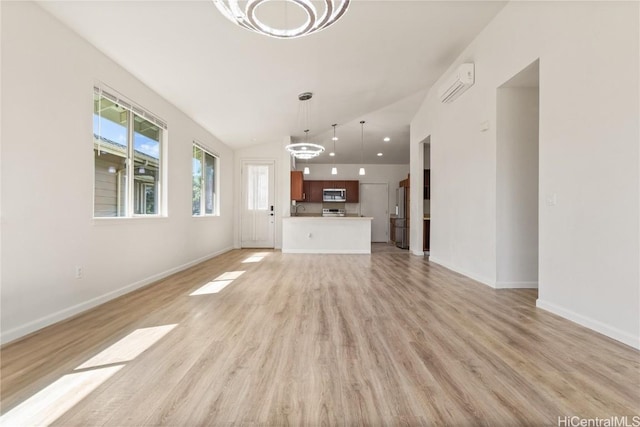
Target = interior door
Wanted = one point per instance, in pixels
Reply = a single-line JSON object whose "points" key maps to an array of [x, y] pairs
{"points": [[257, 221], [374, 202]]}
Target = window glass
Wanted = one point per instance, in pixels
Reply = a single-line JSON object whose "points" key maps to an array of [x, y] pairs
{"points": [[196, 163], [209, 180], [146, 166], [110, 123], [258, 187], [125, 142], [204, 178]]}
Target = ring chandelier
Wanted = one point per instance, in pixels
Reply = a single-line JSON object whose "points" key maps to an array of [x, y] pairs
{"points": [[247, 16], [305, 150]]}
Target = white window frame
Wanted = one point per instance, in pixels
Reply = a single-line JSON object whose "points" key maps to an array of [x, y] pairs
{"points": [[216, 182], [135, 110]]}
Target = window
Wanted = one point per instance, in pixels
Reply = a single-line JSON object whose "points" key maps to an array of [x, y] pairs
{"points": [[258, 188], [204, 177], [127, 145]]}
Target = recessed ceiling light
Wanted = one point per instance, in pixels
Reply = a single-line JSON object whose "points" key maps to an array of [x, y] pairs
{"points": [[332, 154], [335, 138], [386, 139], [379, 154]]}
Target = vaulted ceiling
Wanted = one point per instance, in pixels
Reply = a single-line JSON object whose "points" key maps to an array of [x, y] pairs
{"points": [[375, 64]]}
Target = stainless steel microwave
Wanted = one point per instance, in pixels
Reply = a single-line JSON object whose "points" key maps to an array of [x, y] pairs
{"points": [[334, 195]]}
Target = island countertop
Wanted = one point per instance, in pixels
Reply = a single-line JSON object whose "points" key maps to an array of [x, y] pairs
{"points": [[306, 217], [326, 235]]}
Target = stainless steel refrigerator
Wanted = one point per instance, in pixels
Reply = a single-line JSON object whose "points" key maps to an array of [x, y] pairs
{"points": [[402, 232]]}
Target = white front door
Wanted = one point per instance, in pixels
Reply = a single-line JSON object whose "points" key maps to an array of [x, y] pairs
{"points": [[374, 202], [257, 221]]}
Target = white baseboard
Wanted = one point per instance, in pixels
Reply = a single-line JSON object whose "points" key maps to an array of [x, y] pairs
{"points": [[473, 276], [516, 285], [603, 328], [419, 253], [50, 319]]}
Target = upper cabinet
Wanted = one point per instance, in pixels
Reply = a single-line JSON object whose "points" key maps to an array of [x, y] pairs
{"points": [[405, 182], [306, 191], [311, 191], [334, 184], [353, 191], [427, 184], [297, 186], [315, 191]]}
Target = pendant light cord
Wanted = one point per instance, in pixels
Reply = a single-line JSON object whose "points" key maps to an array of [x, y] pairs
{"points": [[362, 139]]}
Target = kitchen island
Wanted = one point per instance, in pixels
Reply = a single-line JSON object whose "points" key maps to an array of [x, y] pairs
{"points": [[326, 235]]}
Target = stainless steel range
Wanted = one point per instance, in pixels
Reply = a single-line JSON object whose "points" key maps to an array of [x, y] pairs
{"points": [[333, 212]]}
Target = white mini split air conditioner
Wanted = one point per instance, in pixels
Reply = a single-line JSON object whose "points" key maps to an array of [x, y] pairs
{"points": [[461, 80]]}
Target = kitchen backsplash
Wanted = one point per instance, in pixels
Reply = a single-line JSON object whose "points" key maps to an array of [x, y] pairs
{"points": [[316, 208]]}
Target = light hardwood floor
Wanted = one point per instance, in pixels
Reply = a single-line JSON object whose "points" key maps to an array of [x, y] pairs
{"points": [[386, 339]]}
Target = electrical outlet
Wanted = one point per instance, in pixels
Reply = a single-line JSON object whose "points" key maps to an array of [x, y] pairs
{"points": [[78, 272]]}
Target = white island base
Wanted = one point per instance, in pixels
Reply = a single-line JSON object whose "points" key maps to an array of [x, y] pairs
{"points": [[326, 235]]}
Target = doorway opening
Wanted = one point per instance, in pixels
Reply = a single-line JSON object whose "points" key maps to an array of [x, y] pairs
{"points": [[517, 135], [425, 154]]}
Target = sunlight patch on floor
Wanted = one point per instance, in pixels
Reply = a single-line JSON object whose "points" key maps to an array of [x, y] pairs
{"points": [[229, 275], [211, 287], [217, 284], [256, 257], [129, 347], [47, 405]]}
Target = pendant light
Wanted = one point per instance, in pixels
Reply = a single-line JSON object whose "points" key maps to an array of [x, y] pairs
{"points": [[306, 170], [362, 172], [334, 169], [305, 150]]}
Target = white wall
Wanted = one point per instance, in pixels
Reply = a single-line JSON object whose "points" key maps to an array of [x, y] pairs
{"points": [[589, 133], [48, 74], [517, 188], [375, 174]]}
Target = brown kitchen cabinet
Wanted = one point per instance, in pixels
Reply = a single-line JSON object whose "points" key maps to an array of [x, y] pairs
{"points": [[353, 191], [315, 191], [405, 182], [312, 190], [427, 184], [392, 230], [333, 184], [306, 191], [426, 235], [297, 186]]}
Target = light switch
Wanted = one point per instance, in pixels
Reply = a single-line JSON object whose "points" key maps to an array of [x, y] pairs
{"points": [[552, 199]]}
